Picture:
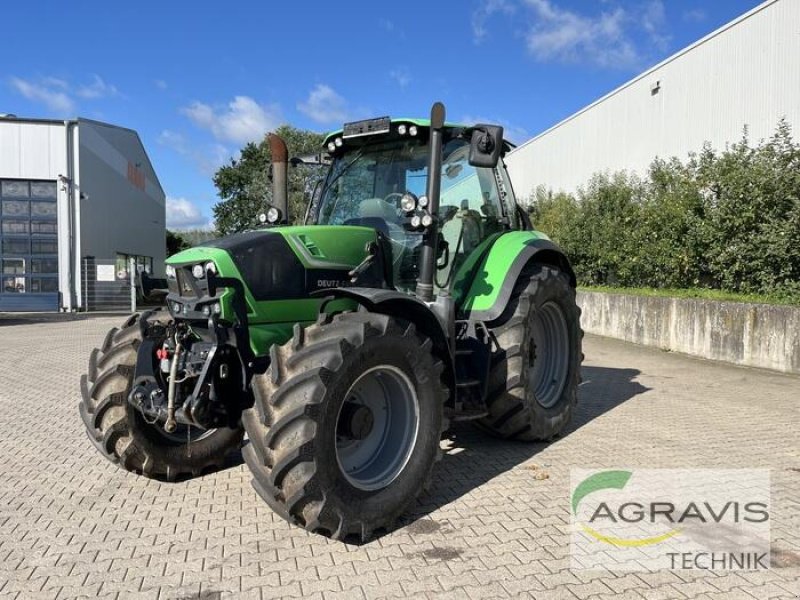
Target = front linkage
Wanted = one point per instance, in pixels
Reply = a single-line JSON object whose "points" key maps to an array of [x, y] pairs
{"points": [[195, 376]]}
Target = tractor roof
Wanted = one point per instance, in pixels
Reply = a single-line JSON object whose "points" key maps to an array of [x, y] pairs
{"points": [[419, 123], [408, 121]]}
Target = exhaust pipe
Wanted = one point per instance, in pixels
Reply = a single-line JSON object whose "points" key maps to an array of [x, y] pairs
{"points": [[427, 266], [280, 175]]}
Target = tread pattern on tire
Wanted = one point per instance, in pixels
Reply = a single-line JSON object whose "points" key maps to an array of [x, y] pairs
{"points": [[110, 421], [510, 412], [283, 422]]}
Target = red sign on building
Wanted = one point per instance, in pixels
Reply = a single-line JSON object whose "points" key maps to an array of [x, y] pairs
{"points": [[135, 175]]}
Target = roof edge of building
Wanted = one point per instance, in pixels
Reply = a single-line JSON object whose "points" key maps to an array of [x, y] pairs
{"points": [[720, 30]]}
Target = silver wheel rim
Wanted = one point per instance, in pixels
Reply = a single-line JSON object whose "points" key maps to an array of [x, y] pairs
{"points": [[376, 428], [549, 354]]}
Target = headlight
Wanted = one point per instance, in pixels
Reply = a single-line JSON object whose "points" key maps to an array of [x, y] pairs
{"points": [[273, 215], [170, 272], [198, 271], [412, 130], [331, 147], [408, 202], [210, 266], [401, 129]]}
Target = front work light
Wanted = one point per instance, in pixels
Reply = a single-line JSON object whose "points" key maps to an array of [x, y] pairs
{"points": [[273, 215], [408, 202]]}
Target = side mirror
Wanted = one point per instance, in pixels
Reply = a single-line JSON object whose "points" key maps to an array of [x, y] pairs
{"points": [[485, 145]]}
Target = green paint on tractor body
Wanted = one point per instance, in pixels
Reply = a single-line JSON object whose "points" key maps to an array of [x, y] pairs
{"points": [[330, 251]]}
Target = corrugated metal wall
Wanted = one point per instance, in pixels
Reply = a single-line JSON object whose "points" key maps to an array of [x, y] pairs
{"points": [[746, 73]]}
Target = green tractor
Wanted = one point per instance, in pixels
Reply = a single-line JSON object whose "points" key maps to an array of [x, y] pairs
{"points": [[415, 294]]}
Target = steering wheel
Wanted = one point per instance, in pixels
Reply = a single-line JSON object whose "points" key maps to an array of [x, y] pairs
{"points": [[388, 198]]}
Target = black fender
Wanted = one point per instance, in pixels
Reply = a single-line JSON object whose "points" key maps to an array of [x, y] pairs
{"points": [[399, 304]]}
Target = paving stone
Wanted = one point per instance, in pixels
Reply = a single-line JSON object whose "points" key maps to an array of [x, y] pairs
{"points": [[73, 525]]}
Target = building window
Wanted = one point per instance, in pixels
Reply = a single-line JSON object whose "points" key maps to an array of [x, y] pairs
{"points": [[28, 237], [43, 189], [143, 263], [15, 189]]}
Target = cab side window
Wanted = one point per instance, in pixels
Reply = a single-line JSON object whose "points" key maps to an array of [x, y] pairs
{"points": [[469, 205]]}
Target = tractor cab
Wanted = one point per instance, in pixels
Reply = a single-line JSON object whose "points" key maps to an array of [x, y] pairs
{"points": [[379, 177]]}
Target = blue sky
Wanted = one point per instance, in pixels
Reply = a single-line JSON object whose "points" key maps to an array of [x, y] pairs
{"points": [[199, 79]]}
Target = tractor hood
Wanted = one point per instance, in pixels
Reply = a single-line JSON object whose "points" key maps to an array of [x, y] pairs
{"points": [[282, 263]]}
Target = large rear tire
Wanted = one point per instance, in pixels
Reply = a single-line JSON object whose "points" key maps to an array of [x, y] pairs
{"points": [[121, 433], [535, 373], [346, 424]]}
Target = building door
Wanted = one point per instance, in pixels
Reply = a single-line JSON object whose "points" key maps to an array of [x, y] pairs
{"points": [[28, 246]]}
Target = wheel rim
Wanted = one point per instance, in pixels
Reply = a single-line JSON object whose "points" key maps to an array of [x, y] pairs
{"points": [[549, 354], [376, 428]]}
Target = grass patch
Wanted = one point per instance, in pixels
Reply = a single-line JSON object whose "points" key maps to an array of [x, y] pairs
{"points": [[701, 293]]}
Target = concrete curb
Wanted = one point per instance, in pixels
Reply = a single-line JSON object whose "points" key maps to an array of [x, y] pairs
{"points": [[756, 335]]}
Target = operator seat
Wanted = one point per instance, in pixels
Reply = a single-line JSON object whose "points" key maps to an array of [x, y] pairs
{"points": [[463, 231]]}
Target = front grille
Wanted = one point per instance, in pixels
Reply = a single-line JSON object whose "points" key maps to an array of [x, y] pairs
{"points": [[188, 286]]}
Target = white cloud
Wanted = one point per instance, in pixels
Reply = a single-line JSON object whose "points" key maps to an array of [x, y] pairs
{"points": [[694, 15], [511, 132], [160, 84], [207, 157], [47, 92], [59, 95], [242, 120], [481, 15], [565, 36], [607, 39], [654, 21], [98, 88], [401, 76], [184, 214], [324, 105]]}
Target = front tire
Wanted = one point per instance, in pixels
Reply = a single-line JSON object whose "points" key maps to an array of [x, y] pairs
{"points": [[535, 373], [120, 432], [346, 424]]}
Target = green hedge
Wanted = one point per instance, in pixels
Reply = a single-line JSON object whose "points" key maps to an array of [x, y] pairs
{"points": [[725, 220]]}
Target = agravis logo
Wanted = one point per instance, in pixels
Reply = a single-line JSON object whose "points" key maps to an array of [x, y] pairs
{"points": [[610, 480], [660, 518]]}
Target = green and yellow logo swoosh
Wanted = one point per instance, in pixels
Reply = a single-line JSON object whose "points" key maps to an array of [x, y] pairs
{"points": [[611, 480]]}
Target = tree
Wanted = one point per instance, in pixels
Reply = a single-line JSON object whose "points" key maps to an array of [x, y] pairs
{"points": [[175, 243], [245, 188]]}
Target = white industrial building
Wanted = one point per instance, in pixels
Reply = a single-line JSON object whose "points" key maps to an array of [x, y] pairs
{"points": [[746, 73], [71, 193]]}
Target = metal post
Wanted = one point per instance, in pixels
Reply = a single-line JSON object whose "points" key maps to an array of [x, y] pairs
{"points": [[132, 269]]}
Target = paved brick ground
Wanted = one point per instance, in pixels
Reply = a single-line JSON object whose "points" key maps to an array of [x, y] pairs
{"points": [[72, 524]]}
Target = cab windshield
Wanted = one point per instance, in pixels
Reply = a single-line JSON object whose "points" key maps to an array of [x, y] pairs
{"points": [[364, 187]]}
